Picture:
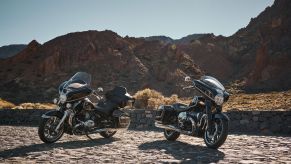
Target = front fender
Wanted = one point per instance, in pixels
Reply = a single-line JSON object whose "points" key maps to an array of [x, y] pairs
{"points": [[49, 114], [222, 116]]}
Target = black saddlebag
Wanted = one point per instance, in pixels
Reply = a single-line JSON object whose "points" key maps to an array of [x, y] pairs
{"points": [[166, 114]]}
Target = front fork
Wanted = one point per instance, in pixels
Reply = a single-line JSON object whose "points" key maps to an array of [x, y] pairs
{"points": [[208, 105], [210, 116], [67, 113]]}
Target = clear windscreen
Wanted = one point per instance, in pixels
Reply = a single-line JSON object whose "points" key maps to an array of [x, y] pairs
{"points": [[211, 81], [80, 78]]}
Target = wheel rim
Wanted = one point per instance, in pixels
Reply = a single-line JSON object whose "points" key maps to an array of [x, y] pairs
{"points": [[212, 136], [49, 129]]}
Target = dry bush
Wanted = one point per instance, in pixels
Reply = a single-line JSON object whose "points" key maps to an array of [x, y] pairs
{"points": [[5, 104], [35, 106], [151, 99]]}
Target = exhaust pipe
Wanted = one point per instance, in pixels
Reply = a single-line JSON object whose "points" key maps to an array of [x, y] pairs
{"points": [[103, 130], [168, 127], [171, 127]]}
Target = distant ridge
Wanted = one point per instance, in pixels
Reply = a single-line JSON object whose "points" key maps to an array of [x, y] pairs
{"points": [[184, 40], [11, 50]]}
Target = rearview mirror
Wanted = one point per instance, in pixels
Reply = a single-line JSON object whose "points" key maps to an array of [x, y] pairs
{"points": [[187, 78]]}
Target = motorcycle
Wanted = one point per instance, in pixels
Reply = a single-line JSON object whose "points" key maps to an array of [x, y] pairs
{"points": [[76, 114], [203, 117]]}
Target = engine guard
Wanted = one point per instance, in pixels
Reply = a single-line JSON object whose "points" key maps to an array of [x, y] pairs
{"points": [[50, 114]]}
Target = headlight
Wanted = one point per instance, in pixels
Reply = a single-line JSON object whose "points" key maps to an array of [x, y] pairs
{"points": [[63, 98], [55, 101], [219, 99]]}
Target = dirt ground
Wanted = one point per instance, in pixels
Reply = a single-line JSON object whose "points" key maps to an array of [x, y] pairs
{"points": [[21, 145]]}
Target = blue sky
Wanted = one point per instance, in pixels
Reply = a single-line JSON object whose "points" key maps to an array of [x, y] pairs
{"points": [[24, 20]]}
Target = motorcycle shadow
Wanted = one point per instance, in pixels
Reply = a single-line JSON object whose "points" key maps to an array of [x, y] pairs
{"points": [[184, 152], [24, 150]]}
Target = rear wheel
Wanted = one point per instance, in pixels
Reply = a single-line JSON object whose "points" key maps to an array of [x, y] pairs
{"points": [[47, 132], [171, 135], [215, 135]]}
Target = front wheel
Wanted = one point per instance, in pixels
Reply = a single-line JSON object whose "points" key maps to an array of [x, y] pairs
{"points": [[46, 130], [216, 133]]}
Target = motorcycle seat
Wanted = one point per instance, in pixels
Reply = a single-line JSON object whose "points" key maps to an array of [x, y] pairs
{"points": [[179, 107]]}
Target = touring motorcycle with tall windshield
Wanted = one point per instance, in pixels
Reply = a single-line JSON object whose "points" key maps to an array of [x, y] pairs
{"points": [[76, 114], [203, 117]]}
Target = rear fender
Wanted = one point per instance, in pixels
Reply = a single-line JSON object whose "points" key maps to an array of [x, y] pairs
{"points": [[52, 113]]}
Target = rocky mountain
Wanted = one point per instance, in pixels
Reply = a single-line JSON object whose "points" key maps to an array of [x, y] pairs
{"points": [[10, 50], [257, 57], [110, 59], [262, 50]]}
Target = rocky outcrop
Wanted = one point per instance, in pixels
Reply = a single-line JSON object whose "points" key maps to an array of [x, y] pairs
{"points": [[259, 54]]}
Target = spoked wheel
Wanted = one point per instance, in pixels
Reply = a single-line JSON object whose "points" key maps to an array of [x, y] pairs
{"points": [[107, 134], [171, 135], [47, 132], [216, 134]]}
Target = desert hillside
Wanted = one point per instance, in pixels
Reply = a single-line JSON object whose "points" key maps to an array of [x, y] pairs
{"points": [[256, 58]]}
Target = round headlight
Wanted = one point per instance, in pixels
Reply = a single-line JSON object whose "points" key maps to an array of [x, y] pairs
{"points": [[55, 101], [63, 98], [218, 99]]}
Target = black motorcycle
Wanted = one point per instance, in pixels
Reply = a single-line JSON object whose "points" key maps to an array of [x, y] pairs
{"points": [[203, 117], [76, 114]]}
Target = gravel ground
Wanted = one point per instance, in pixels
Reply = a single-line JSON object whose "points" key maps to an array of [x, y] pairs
{"points": [[22, 145]]}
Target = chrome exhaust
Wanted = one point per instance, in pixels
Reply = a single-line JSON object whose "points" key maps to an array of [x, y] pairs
{"points": [[171, 127], [168, 127]]}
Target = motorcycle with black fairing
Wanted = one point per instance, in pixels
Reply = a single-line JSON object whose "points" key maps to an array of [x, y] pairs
{"points": [[76, 114], [203, 117]]}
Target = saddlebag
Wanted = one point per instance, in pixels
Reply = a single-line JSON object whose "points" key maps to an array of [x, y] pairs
{"points": [[166, 114]]}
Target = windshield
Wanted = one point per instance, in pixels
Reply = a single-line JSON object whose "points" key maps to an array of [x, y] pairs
{"points": [[211, 81], [82, 78]]}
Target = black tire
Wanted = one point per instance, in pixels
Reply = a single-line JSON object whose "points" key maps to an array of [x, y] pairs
{"points": [[107, 134], [171, 135], [222, 137], [42, 129]]}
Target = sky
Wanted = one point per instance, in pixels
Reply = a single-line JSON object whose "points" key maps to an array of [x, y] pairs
{"points": [[24, 20]]}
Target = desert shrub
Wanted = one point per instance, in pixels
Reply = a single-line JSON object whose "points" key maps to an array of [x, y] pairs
{"points": [[35, 106], [151, 99], [5, 104], [147, 97]]}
